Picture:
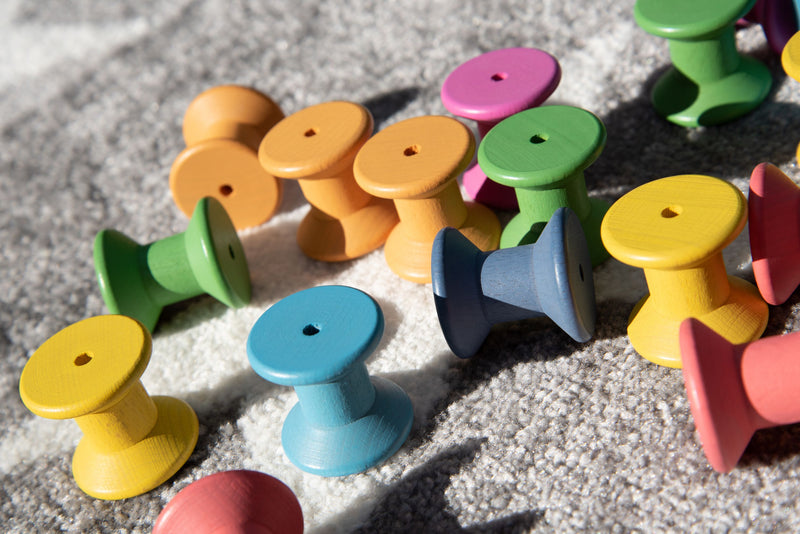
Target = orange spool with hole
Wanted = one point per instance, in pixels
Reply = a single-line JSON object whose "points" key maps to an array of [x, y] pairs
{"points": [[223, 128]]}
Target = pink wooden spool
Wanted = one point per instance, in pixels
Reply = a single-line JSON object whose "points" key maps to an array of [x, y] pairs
{"points": [[735, 390], [490, 88], [774, 206], [233, 502]]}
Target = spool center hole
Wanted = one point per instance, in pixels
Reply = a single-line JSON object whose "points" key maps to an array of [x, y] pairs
{"points": [[230, 251], [580, 271], [311, 132], [82, 359], [225, 190], [671, 211], [539, 139], [412, 150], [499, 77], [310, 329]]}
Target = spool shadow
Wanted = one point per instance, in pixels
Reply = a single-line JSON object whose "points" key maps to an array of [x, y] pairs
{"points": [[386, 105], [417, 501], [643, 146]]}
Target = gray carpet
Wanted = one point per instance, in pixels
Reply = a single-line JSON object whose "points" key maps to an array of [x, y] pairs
{"points": [[537, 433]]}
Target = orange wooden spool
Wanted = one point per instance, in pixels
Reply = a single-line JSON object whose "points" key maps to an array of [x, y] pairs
{"points": [[222, 128], [316, 146], [416, 162]]}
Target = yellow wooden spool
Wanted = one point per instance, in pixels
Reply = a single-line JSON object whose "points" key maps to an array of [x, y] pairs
{"points": [[90, 372], [675, 229]]}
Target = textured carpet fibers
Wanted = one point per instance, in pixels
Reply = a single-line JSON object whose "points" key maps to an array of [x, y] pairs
{"points": [[536, 433]]}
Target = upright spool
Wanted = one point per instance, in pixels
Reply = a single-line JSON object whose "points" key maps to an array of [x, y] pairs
{"points": [[90, 371], [675, 229]]}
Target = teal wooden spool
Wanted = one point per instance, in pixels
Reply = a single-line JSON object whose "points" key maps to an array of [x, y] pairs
{"points": [[316, 341]]}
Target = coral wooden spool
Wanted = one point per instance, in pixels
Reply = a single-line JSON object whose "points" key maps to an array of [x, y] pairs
{"points": [[140, 280], [90, 371], [223, 127], [675, 229], [709, 81], [474, 290], [491, 87], [774, 205], [542, 153], [316, 341], [316, 146], [239, 501], [736, 389], [416, 163]]}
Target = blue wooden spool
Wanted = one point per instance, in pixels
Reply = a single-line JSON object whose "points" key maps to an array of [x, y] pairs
{"points": [[317, 340], [474, 290], [140, 280]]}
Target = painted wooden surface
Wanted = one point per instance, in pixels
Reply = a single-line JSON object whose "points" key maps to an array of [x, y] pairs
{"points": [[675, 229], [316, 146], [317, 340], [487, 89], [223, 127], [709, 81], [736, 389], [235, 502], [774, 205], [542, 153], [140, 280], [790, 60], [90, 372], [474, 290], [778, 18], [416, 162]]}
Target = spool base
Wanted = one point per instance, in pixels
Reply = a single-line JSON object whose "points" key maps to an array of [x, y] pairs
{"points": [[144, 465], [116, 261], [357, 446], [741, 319], [683, 102], [410, 257], [325, 238]]}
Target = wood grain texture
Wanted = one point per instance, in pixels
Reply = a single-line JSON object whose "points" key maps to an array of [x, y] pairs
{"points": [[316, 146], [223, 127], [487, 89], [736, 389], [90, 372], [140, 280], [709, 82], [675, 229], [416, 163], [317, 340]]}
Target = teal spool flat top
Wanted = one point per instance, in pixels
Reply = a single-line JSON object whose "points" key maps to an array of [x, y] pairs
{"points": [[315, 336], [687, 19], [541, 147]]}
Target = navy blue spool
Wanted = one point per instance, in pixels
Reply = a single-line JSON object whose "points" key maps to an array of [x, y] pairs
{"points": [[317, 340], [474, 290]]}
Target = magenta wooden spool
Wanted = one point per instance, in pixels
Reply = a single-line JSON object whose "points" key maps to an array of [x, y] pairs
{"points": [[491, 87]]}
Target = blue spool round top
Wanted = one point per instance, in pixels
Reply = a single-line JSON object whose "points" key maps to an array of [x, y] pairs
{"points": [[315, 336]]}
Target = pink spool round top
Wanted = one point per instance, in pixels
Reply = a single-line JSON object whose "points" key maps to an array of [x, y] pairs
{"points": [[500, 83], [233, 502]]}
